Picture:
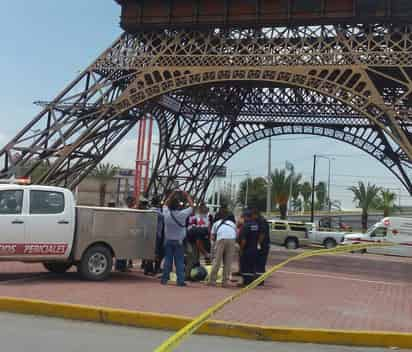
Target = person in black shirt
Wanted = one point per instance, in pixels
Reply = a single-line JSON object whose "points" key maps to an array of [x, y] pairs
{"points": [[248, 239], [264, 244]]}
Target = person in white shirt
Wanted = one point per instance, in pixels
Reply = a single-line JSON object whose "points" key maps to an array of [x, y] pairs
{"points": [[224, 233]]}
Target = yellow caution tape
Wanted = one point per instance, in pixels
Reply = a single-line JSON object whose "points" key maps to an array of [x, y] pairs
{"points": [[175, 340]]}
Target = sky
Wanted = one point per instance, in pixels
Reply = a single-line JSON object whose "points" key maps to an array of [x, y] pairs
{"points": [[44, 45]]}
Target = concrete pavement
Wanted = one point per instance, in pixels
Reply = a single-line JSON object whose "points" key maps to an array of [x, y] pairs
{"points": [[350, 292], [20, 333]]}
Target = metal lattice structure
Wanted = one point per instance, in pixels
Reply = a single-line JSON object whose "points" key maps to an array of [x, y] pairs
{"points": [[215, 91]]}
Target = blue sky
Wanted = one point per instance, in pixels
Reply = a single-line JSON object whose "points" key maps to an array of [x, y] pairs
{"points": [[46, 43]]}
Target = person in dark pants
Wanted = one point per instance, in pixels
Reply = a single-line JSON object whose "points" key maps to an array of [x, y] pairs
{"points": [[160, 233], [263, 245], [122, 264], [248, 240], [175, 217], [152, 267]]}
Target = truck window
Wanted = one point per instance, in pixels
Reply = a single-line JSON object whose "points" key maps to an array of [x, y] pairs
{"points": [[46, 202], [379, 232], [298, 228], [11, 202], [279, 226]]}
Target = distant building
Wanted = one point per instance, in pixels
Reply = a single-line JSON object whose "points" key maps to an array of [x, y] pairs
{"points": [[118, 189]]}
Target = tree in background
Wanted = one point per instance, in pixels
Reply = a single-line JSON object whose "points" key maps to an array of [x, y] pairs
{"points": [[104, 173], [225, 198], [39, 171], [256, 193], [296, 191], [321, 195], [366, 196], [280, 190], [306, 192], [386, 201]]}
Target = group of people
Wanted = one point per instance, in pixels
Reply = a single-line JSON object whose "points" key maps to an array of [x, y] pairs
{"points": [[185, 233]]}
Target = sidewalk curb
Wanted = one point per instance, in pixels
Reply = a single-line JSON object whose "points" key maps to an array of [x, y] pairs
{"points": [[217, 328]]}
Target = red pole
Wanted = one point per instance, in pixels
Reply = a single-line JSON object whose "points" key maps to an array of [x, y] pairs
{"points": [[142, 141], [137, 176], [148, 153]]}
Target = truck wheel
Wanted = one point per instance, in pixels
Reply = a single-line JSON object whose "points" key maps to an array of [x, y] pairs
{"points": [[291, 243], [96, 263], [330, 243], [57, 268]]}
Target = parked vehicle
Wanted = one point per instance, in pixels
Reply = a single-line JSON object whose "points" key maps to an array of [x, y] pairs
{"points": [[333, 222], [392, 229], [328, 239], [290, 234], [43, 224]]}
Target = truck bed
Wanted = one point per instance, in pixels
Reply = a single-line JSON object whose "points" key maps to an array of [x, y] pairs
{"points": [[130, 233]]}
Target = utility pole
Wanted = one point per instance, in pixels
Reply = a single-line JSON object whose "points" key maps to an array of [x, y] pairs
{"points": [[289, 166], [312, 207], [247, 190], [329, 202], [329, 159], [218, 192], [269, 181]]}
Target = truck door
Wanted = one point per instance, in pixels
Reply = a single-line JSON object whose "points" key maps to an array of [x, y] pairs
{"points": [[380, 234], [12, 223], [50, 224]]}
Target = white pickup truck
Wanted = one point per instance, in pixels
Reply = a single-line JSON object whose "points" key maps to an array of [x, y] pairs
{"points": [[43, 224], [328, 239]]}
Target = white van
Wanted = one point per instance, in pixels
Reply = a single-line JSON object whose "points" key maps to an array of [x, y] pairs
{"points": [[392, 229]]}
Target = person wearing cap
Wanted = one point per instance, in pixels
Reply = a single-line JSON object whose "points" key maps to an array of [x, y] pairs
{"points": [[191, 248], [248, 242], [263, 245], [175, 218]]}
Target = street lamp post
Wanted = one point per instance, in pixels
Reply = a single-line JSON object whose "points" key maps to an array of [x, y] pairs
{"points": [[329, 200], [269, 181], [289, 167], [313, 184], [247, 189], [312, 205]]}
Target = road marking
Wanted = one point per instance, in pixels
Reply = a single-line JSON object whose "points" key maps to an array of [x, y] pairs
{"points": [[175, 340], [24, 279], [342, 278]]}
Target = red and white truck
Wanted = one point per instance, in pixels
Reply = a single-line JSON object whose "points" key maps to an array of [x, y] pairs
{"points": [[43, 224], [397, 230]]}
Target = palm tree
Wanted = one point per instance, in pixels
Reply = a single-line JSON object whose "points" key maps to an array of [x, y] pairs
{"points": [[280, 190], [256, 197], [104, 173], [366, 197], [296, 186], [321, 195], [386, 201], [306, 192]]}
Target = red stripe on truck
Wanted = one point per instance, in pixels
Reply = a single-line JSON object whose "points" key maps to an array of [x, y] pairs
{"points": [[358, 240], [8, 249]]}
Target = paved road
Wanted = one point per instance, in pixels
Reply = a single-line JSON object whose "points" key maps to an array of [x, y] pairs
{"points": [[317, 292], [20, 333]]}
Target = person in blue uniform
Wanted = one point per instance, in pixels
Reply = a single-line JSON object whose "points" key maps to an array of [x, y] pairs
{"points": [[248, 241], [263, 243]]}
